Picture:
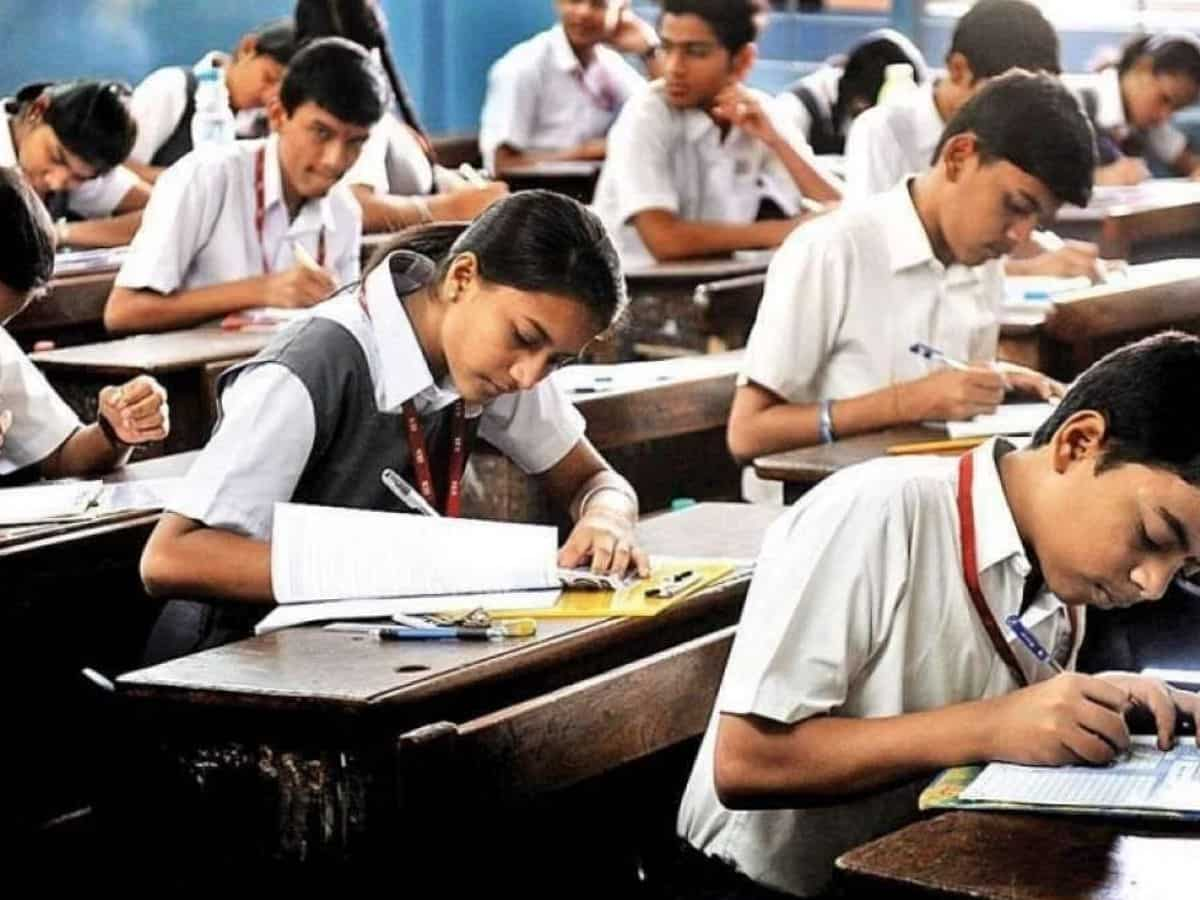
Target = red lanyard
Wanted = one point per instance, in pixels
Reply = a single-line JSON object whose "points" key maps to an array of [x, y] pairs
{"points": [[966, 522], [420, 457], [260, 213]]}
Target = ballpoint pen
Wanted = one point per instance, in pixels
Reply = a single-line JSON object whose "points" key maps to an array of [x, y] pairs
{"points": [[1032, 644], [515, 628], [935, 355], [405, 491]]}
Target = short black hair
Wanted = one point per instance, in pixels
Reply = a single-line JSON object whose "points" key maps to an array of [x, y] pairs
{"points": [[736, 23], [340, 77], [91, 118], [27, 253], [1172, 52], [997, 35], [1035, 123], [1148, 393], [276, 39]]}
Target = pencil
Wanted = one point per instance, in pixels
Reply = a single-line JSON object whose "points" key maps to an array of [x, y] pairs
{"points": [[946, 446], [304, 257]]}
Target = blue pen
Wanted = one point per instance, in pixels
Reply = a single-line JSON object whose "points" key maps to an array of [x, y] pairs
{"points": [[1037, 295], [1027, 637], [933, 354]]}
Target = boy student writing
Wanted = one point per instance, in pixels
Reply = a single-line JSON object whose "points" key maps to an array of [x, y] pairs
{"points": [[453, 330], [873, 651], [395, 179], [692, 158], [163, 104], [239, 226], [38, 431], [70, 140], [897, 139], [554, 96], [829, 352]]}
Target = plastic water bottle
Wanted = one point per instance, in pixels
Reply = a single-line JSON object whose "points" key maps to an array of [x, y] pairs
{"points": [[212, 122], [898, 81]]}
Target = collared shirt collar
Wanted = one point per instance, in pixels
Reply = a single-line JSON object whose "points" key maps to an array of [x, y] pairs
{"points": [[996, 537], [908, 243], [314, 214], [561, 51]]}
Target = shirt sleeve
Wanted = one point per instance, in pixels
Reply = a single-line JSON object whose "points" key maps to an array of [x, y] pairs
{"points": [[534, 428], [824, 592], [256, 455], [348, 264], [99, 197], [639, 164], [778, 182], [510, 108], [804, 301], [872, 165], [177, 223], [628, 80], [793, 111], [41, 418], [157, 105]]}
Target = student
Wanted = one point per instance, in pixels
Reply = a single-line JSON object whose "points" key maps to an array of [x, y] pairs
{"points": [[1131, 105], [828, 354], [163, 104], [825, 102], [554, 96], [39, 434], [395, 179], [70, 141], [454, 327], [221, 229], [692, 158], [868, 656]]}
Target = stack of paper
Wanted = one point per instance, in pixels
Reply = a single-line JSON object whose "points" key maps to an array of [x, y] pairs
{"points": [[48, 503]]}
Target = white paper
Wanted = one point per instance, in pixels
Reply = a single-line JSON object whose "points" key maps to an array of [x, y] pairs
{"points": [[330, 553], [1009, 418], [145, 493], [48, 502], [303, 613], [1040, 288], [1175, 676], [1147, 779], [101, 259]]}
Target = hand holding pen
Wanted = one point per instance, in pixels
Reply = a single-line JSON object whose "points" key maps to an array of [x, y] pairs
{"points": [[959, 391]]}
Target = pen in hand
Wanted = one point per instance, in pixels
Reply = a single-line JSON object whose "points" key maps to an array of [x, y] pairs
{"points": [[406, 493], [472, 177], [1032, 644], [933, 354], [304, 258]]}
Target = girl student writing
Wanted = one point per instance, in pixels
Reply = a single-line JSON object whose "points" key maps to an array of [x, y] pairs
{"points": [[454, 329], [70, 140]]}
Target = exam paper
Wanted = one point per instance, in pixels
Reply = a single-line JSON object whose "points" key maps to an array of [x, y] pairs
{"points": [[330, 553], [45, 503], [1147, 779], [1009, 418]]}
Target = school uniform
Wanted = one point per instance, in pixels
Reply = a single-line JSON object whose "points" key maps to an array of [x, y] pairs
{"points": [[859, 608], [660, 157], [845, 298], [163, 105], [1100, 93], [318, 415], [541, 97], [201, 225], [393, 161], [42, 421], [809, 105], [889, 141], [94, 199]]}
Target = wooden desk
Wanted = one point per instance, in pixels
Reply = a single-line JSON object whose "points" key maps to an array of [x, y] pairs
{"points": [[575, 178], [187, 363], [801, 469], [1147, 222], [1023, 857], [72, 312], [697, 306], [326, 708]]}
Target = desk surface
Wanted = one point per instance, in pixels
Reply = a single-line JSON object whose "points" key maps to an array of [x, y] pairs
{"points": [[156, 353], [809, 465], [696, 270], [554, 169], [1023, 857], [313, 669]]}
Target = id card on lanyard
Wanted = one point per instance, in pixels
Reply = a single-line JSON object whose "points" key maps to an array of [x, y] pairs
{"points": [[966, 524], [260, 213]]}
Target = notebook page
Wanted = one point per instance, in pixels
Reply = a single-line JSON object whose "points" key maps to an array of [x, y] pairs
{"points": [[1009, 418], [47, 502], [330, 553]]}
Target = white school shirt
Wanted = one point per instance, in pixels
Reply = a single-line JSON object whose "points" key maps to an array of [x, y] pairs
{"points": [[848, 293], [823, 83], [892, 140], [95, 198], [660, 157], [41, 418], [858, 608], [1166, 141], [540, 97], [159, 102], [198, 228], [268, 426], [392, 161]]}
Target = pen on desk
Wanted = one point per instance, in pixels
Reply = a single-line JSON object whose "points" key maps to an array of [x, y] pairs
{"points": [[935, 355], [472, 176], [1032, 644], [515, 628], [407, 494]]}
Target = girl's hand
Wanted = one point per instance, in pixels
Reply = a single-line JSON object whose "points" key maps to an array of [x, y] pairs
{"points": [[605, 537], [137, 410], [1030, 381]]}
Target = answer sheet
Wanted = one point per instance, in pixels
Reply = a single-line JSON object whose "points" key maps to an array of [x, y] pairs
{"points": [[1009, 418]]}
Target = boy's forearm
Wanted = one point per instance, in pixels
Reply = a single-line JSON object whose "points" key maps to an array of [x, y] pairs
{"points": [[684, 239], [86, 452], [115, 231], [131, 310], [811, 182]]}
